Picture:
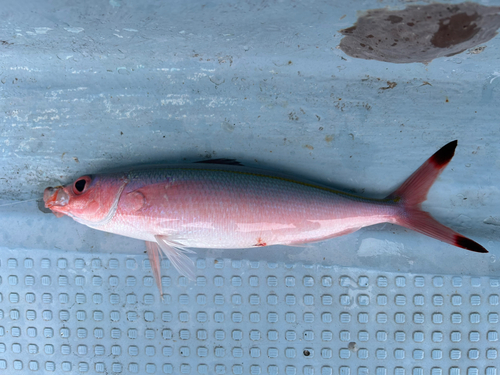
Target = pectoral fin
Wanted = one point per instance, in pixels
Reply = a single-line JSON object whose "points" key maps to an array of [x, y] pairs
{"points": [[176, 254]]}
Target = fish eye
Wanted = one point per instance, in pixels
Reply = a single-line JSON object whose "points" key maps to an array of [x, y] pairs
{"points": [[80, 185]]}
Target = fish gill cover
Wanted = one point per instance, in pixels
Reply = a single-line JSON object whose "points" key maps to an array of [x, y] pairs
{"points": [[420, 33]]}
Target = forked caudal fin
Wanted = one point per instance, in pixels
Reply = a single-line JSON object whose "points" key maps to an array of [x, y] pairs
{"points": [[414, 191]]}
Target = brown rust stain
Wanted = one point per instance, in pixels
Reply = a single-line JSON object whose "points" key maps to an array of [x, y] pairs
{"points": [[420, 33], [456, 29], [390, 85]]}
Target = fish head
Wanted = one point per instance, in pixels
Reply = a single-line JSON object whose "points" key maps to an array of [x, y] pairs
{"points": [[89, 198]]}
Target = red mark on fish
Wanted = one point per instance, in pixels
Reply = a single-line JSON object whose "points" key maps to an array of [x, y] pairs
{"points": [[260, 242], [178, 208]]}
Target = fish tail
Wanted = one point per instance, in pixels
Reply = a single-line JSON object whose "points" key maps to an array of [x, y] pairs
{"points": [[413, 192]]}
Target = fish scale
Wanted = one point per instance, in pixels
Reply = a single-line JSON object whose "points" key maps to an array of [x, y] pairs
{"points": [[230, 209]]}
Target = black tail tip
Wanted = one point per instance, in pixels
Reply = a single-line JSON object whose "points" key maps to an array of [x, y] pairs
{"points": [[468, 244], [444, 154]]}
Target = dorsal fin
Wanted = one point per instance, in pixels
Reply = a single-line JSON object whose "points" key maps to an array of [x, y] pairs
{"points": [[221, 161]]}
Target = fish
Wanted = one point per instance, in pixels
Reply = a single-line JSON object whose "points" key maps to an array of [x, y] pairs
{"points": [[221, 204]]}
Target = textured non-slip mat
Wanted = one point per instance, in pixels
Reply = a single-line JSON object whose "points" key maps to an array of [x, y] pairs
{"points": [[86, 313]]}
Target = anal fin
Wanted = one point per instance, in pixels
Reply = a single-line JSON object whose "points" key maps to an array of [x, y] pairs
{"points": [[309, 243], [176, 254]]}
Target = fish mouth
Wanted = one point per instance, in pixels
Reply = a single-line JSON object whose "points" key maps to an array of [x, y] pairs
{"points": [[55, 198]]}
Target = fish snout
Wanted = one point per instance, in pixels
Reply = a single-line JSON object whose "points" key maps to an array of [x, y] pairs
{"points": [[55, 197]]}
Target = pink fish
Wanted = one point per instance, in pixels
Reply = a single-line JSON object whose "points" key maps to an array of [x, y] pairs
{"points": [[177, 208]]}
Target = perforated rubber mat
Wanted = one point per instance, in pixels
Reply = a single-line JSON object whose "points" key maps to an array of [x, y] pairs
{"points": [[87, 313]]}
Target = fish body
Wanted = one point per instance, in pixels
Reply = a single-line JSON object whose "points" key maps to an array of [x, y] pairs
{"points": [[226, 208], [178, 208]]}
